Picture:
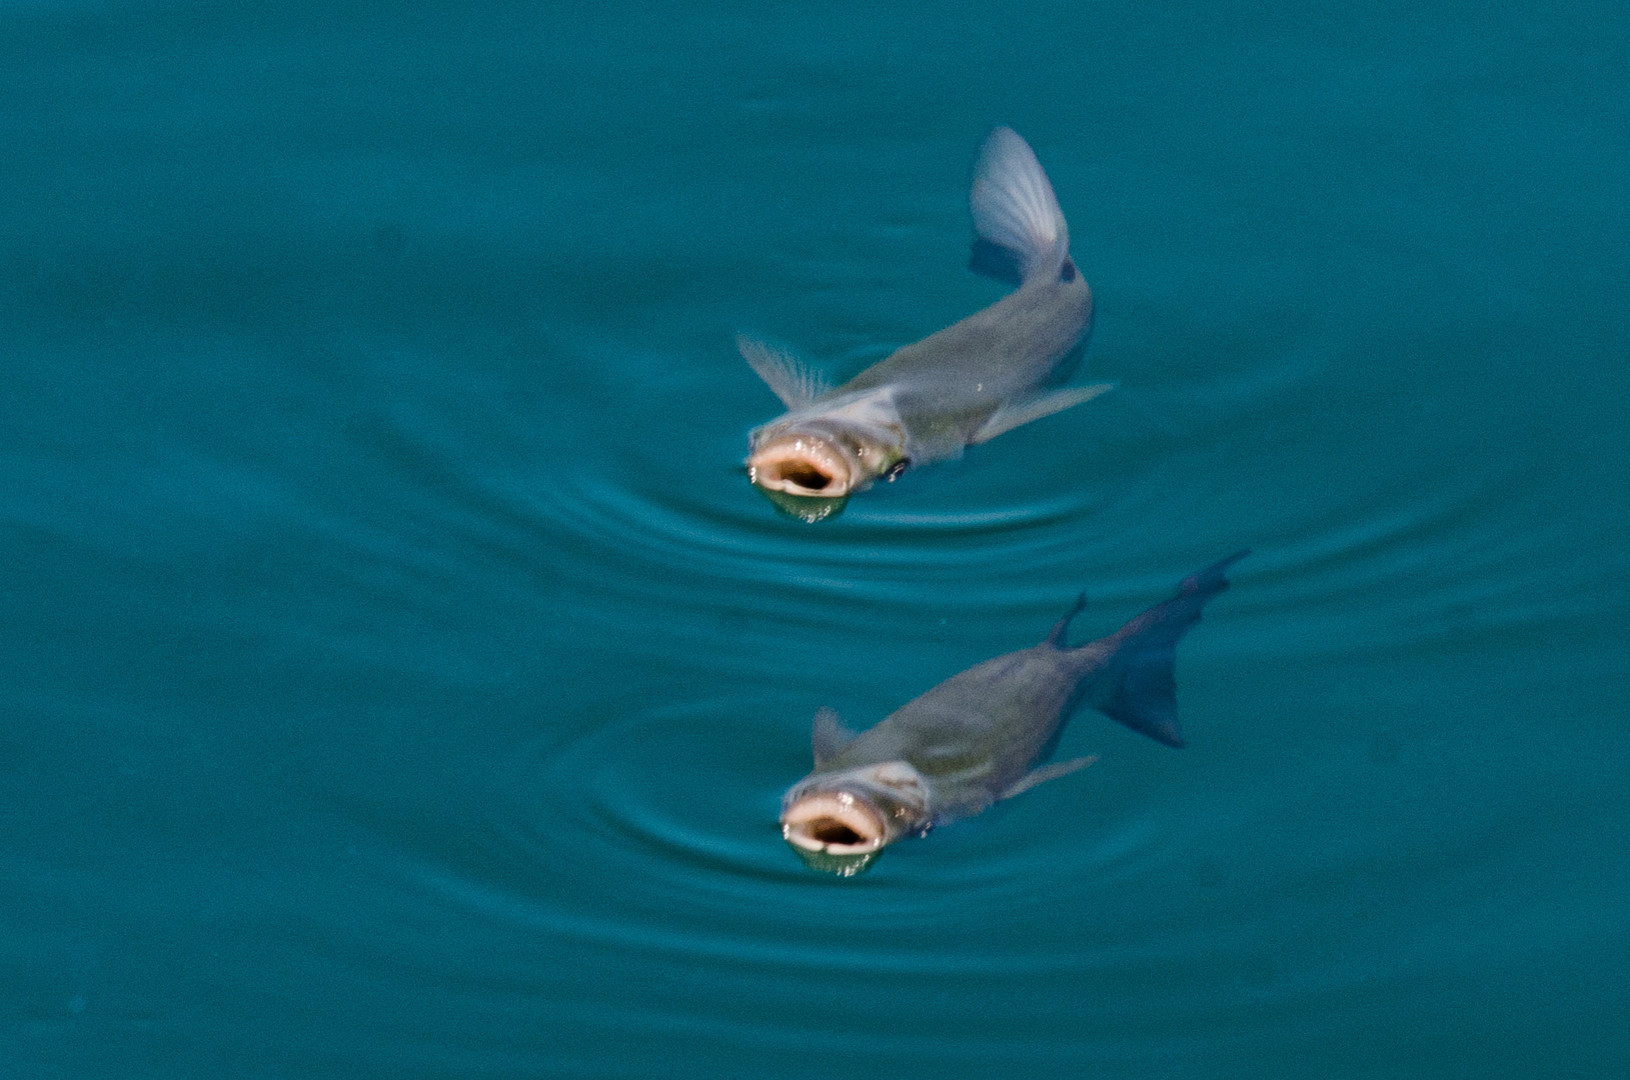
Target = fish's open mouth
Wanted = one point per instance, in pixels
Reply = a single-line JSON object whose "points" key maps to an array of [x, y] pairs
{"points": [[802, 465], [835, 823]]}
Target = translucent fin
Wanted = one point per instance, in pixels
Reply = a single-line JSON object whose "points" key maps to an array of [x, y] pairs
{"points": [[794, 382], [830, 736], [1143, 695], [1015, 210], [1046, 773], [1023, 410]]}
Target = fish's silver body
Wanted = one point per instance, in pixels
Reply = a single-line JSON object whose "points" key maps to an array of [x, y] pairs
{"points": [[966, 384], [984, 735]]}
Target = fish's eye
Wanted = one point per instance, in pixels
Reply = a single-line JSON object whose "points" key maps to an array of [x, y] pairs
{"points": [[1067, 271], [896, 469]]}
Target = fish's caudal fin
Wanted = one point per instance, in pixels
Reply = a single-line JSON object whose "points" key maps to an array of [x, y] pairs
{"points": [[1139, 687], [1021, 229]]}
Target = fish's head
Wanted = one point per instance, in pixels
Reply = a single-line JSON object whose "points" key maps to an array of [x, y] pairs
{"points": [[808, 467], [840, 822]]}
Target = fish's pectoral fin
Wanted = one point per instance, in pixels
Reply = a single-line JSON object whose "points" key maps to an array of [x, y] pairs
{"points": [[794, 382], [830, 736], [1021, 411], [1014, 211], [1046, 773]]}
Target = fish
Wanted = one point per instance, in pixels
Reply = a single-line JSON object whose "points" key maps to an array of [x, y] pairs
{"points": [[993, 371], [987, 734]]}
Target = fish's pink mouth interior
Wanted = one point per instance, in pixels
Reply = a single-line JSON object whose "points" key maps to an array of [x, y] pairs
{"points": [[834, 823], [801, 466], [804, 474]]}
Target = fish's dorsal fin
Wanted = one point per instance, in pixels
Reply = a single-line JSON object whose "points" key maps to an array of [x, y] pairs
{"points": [[1061, 629], [1046, 773], [830, 736], [794, 382], [1022, 410], [1015, 211]]}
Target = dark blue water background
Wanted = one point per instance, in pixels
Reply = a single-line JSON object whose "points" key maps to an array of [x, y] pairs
{"points": [[399, 676]]}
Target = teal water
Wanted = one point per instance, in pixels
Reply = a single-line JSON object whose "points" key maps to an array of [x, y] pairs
{"points": [[399, 677]]}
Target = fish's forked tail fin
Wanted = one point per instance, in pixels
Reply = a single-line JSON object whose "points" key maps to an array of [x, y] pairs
{"points": [[1139, 685], [1021, 230]]}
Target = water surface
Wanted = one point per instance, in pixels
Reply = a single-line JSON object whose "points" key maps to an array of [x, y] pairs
{"points": [[400, 676]]}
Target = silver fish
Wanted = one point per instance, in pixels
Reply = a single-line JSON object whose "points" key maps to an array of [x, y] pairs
{"points": [[967, 384], [983, 736]]}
